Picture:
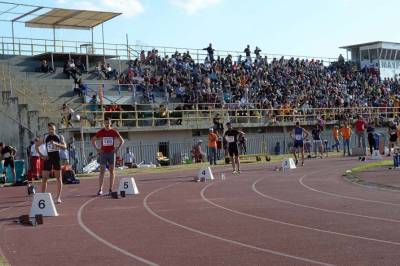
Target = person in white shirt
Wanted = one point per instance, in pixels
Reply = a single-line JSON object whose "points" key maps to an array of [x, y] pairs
{"points": [[129, 158]]}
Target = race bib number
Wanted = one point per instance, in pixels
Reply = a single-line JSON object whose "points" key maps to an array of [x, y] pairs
{"points": [[230, 139], [51, 147], [7, 155], [298, 137], [108, 141]]}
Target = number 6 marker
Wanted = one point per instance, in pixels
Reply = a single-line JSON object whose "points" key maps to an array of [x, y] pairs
{"points": [[43, 204]]}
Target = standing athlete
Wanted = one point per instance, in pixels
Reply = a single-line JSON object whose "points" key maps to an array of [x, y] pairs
{"points": [[7, 154], [298, 135], [317, 141], [107, 151], [52, 162], [231, 137]]}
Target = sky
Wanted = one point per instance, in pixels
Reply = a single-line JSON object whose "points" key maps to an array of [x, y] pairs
{"points": [[308, 28]]}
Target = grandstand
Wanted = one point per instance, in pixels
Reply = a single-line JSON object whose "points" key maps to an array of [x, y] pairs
{"points": [[165, 98]]}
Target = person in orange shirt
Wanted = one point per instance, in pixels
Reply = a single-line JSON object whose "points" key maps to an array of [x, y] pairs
{"points": [[346, 132], [335, 135], [212, 147]]}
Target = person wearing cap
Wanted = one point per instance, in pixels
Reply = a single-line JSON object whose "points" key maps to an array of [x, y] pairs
{"points": [[212, 147], [231, 138]]}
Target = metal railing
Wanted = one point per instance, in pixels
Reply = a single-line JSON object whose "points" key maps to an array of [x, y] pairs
{"points": [[204, 118], [30, 47]]}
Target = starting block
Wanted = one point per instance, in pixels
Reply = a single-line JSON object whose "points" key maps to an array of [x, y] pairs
{"points": [[43, 204], [114, 195], [31, 189], [376, 155], [288, 164], [205, 174], [25, 220], [127, 185]]}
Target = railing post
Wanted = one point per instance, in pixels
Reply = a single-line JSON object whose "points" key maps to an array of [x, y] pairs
{"points": [[153, 119], [136, 117]]}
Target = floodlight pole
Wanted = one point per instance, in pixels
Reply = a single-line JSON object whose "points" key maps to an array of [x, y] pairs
{"points": [[102, 36], [13, 38], [127, 47], [54, 38], [92, 43]]}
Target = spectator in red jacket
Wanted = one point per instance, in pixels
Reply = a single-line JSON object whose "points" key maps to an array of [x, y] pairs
{"points": [[360, 131]]}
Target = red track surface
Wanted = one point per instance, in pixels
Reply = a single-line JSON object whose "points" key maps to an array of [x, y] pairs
{"points": [[302, 217]]}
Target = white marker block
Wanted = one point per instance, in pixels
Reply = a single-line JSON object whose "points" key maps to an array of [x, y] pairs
{"points": [[128, 185], [376, 155], [288, 164], [43, 204], [205, 173]]}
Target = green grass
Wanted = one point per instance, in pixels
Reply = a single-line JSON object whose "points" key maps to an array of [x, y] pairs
{"points": [[3, 261], [364, 167], [353, 176], [183, 167]]}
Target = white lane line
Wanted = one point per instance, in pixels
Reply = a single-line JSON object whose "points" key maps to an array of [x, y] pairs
{"points": [[295, 225], [316, 208], [277, 253], [344, 196], [105, 242]]}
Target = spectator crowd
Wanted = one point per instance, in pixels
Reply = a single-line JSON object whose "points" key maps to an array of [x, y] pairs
{"points": [[285, 85]]}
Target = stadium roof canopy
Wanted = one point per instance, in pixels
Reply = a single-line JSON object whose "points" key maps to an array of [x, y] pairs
{"points": [[53, 18], [366, 44], [60, 18]]}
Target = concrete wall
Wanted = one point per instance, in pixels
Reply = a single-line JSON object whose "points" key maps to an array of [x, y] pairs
{"points": [[18, 124], [8, 115]]}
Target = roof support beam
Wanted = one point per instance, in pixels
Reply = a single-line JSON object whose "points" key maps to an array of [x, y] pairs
{"points": [[8, 10], [27, 14]]}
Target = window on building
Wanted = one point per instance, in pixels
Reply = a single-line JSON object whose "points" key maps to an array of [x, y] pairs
{"points": [[373, 54], [384, 54], [364, 55], [398, 55], [393, 55]]}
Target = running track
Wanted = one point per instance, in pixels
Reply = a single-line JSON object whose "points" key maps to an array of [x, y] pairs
{"points": [[308, 216]]}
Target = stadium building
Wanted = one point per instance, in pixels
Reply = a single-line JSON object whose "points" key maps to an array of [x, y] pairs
{"points": [[151, 121], [383, 56]]}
